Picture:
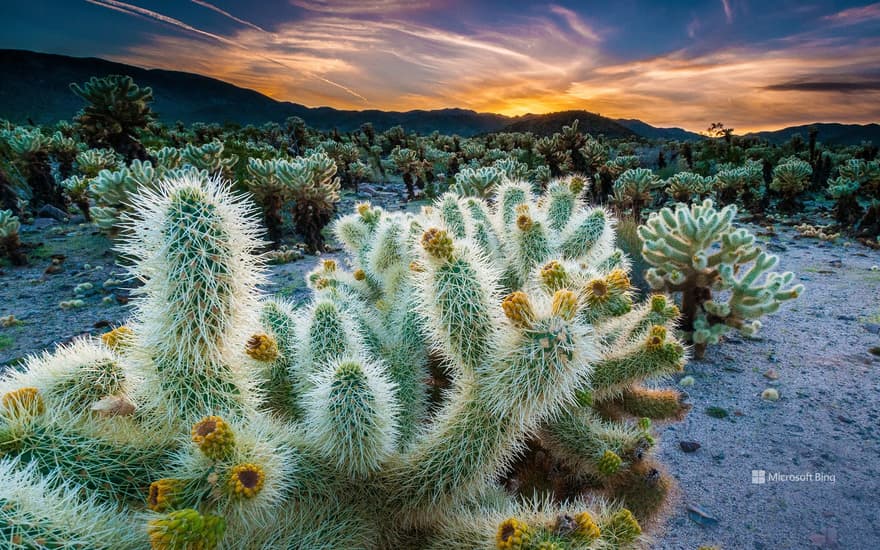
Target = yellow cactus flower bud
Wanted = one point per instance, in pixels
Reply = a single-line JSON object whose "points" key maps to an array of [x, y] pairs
{"points": [[597, 292], [586, 527], [117, 337], [438, 243], [524, 222], [565, 304], [214, 437], [322, 283], [513, 534], [24, 402], [518, 309], [609, 463], [359, 275], [577, 184], [622, 527], [656, 337], [416, 267], [618, 280], [262, 347], [246, 480], [164, 494], [329, 265], [658, 303], [553, 275], [363, 209], [186, 530]]}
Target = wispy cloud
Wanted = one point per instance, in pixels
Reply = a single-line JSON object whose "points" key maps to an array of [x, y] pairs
{"points": [[853, 16], [227, 14], [136, 10], [574, 21], [348, 7], [728, 10], [693, 26], [529, 63]]}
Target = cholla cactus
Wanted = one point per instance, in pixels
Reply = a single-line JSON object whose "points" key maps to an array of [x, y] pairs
{"points": [[744, 184], [164, 440], [857, 179], [480, 182], [117, 109], [9, 241], [31, 156], [696, 250], [790, 177], [634, 190], [271, 193], [687, 186], [314, 189], [209, 157], [409, 165]]}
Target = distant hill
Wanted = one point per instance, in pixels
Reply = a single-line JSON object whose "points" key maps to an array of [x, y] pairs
{"points": [[35, 86], [548, 124], [829, 132], [652, 132]]}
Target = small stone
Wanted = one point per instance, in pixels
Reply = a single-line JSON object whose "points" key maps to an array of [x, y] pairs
{"points": [[771, 374], [686, 382], [700, 516], [689, 446], [873, 328], [49, 211], [770, 394]]}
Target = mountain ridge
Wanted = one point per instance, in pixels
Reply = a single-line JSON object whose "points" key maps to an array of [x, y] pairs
{"points": [[35, 87]]}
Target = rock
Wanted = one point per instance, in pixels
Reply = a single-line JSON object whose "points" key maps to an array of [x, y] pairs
{"points": [[770, 394], [42, 223], [873, 328], [49, 211], [700, 516], [689, 446], [846, 318], [368, 189], [771, 374]]}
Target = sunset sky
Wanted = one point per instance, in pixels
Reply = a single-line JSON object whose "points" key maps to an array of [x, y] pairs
{"points": [[751, 64]]}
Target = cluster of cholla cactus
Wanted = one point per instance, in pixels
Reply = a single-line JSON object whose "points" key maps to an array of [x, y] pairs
{"points": [[309, 182], [743, 184], [10, 244], [633, 190], [89, 164], [473, 379], [722, 275], [686, 187], [790, 178]]}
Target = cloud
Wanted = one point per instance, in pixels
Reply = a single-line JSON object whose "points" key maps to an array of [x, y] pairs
{"points": [[854, 16], [693, 26], [574, 21], [728, 10], [343, 7], [394, 64], [525, 64], [826, 86], [227, 14]]}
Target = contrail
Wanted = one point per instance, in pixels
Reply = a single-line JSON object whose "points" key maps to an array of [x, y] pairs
{"points": [[229, 15], [130, 9]]}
